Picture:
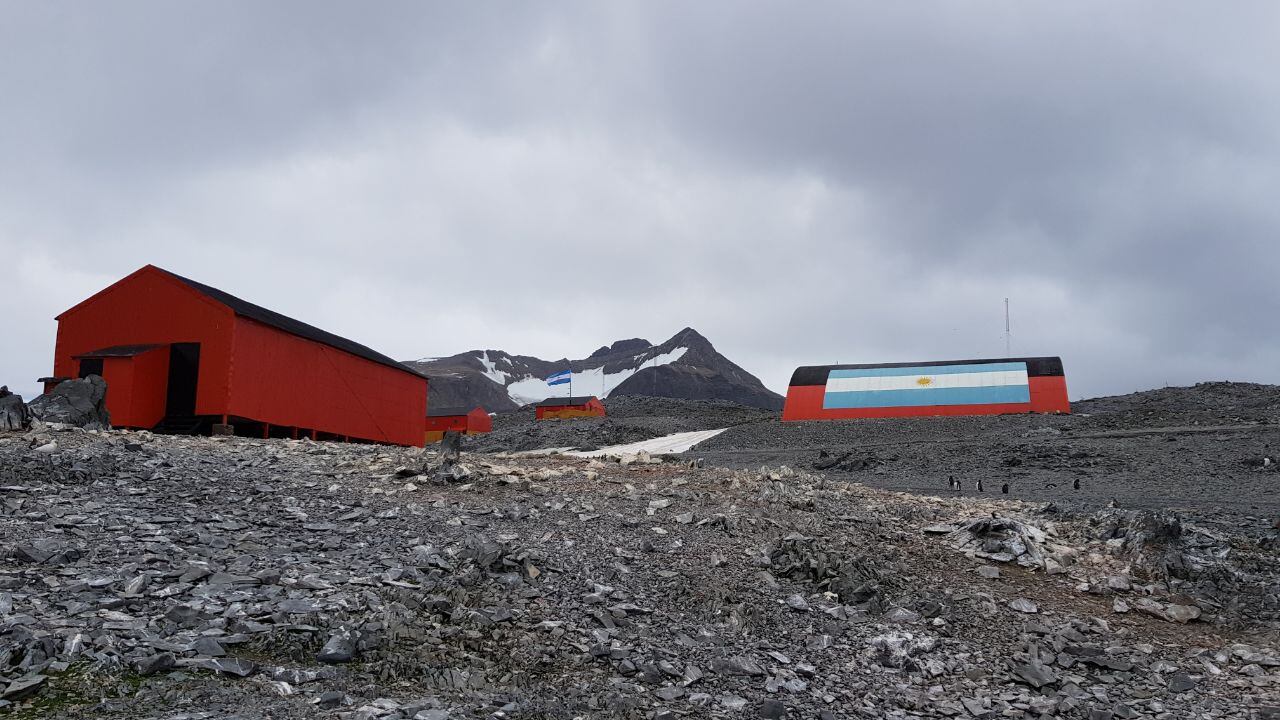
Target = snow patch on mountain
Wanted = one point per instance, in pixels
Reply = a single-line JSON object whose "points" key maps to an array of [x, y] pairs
{"points": [[491, 370], [591, 381], [528, 389]]}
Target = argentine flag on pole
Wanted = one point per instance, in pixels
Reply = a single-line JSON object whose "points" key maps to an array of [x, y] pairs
{"points": [[560, 378]]}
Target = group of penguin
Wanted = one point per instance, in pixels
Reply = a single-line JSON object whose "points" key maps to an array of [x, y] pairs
{"points": [[954, 484]]}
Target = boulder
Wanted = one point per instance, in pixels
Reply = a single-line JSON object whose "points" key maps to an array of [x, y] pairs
{"points": [[14, 415], [340, 647], [81, 402]]}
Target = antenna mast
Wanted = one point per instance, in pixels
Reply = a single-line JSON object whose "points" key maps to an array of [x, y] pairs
{"points": [[1008, 336]]}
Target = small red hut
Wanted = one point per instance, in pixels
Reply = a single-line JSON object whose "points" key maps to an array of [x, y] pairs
{"points": [[569, 407], [178, 355], [456, 419]]}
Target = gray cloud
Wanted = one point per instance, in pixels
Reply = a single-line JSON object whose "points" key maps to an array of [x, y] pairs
{"points": [[852, 182]]}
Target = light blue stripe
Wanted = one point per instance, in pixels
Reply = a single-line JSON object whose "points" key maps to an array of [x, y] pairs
{"points": [[928, 370], [938, 396], [561, 381]]}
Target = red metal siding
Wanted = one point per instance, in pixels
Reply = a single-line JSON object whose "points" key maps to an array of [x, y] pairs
{"points": [[473, 423], [286, 380], [592, 408], [1049, 394], [445, 423], [478, 421], [150, 387], [137, 388], [118, 372], [145, 307]]}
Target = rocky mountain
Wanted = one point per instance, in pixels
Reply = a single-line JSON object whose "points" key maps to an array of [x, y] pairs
{"points": [[686, 366]]}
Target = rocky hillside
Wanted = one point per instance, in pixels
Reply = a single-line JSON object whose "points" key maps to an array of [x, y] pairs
{"points": [[687, 366]]}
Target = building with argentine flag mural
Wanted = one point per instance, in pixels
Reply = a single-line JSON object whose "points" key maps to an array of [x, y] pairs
{"points": [[950, 387]]}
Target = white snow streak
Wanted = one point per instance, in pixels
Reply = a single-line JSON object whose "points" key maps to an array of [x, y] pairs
{"points": [[666, 445], [491, 370]]}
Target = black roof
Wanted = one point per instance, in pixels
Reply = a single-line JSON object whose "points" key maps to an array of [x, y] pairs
{"points": [[450, 411], [562, 401], [116, 351], [291, 326]]}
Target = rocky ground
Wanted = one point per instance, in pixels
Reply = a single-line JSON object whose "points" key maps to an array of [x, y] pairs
{"points": [[631, 418], [161, 577], [1211, 448]]}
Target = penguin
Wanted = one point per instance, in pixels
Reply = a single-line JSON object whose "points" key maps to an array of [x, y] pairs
{"points": [[979, 484], [951, 482], [1076, 485], [1004, 489]]}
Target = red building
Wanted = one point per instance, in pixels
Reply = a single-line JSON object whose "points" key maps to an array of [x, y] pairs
{"points": [[457, 419], [182, 355], [950, 387], [569, 407]]}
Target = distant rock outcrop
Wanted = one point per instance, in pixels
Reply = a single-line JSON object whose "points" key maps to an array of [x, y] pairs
{"points": [[686, 366], [14, 415]]}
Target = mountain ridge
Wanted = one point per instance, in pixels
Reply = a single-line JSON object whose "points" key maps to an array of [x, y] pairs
{"points": [[686, 366]]}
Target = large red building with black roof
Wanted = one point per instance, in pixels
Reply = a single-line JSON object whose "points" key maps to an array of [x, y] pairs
{"points": [[179, 354]]}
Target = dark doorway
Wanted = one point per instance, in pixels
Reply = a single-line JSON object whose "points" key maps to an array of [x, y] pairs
{"points": [[91, 366], [184, 369]]}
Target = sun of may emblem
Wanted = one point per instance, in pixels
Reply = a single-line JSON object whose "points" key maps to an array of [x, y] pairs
{"points": [[924, 381]]}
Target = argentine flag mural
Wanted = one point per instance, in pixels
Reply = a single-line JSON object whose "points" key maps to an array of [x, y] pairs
{"points": [[927, 385]]}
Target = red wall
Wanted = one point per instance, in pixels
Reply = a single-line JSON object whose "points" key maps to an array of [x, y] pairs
{"points": [[286, 380], [478, 421], [445, 423], [592, 408], [1048, 395], [137, 388], [149, 306]]}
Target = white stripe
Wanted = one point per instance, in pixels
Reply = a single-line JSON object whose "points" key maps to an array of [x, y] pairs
{"points": [[912, 382]]}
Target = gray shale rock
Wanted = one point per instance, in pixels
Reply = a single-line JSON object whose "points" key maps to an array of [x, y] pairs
{"points": [[14, 416], [339, 648], [80, 402], [162, 662], [899, 649], [1035, 674], [737, 665], [773, 709], [1181, 682]]}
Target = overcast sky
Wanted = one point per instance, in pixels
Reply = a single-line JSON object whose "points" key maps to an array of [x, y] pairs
{"points": [[803, 183]]}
